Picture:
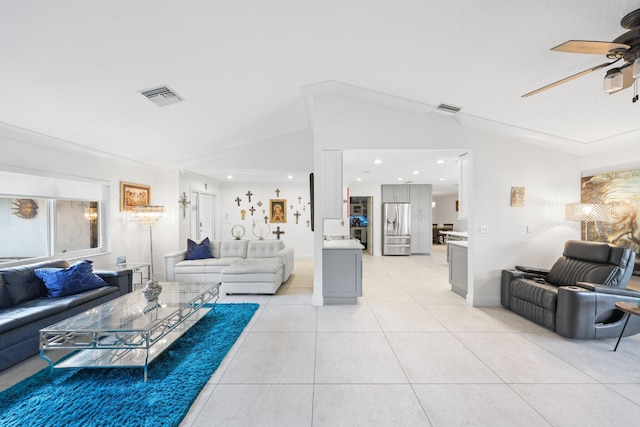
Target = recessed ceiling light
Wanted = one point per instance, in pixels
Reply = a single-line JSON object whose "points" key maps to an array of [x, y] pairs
{"points": [[441, 179], [358, 179], [416, 172], [289, 176], [377, 161], [229, 177], [399, 179], [440, 161]]}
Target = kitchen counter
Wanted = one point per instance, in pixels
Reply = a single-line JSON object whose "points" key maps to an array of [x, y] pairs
{"points": [[342, 244], [455, 235]]}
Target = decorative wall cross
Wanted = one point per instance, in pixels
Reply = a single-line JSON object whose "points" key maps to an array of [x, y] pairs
{"points": [[299, 199], [266, 218], [297, 215], [259, 203], [277, 232], [238, 200], [278, 192], [252, 210], [184, 202], [249, 194]]}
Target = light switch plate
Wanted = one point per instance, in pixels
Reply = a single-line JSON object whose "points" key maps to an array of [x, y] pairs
{"points": [[484, 229]]}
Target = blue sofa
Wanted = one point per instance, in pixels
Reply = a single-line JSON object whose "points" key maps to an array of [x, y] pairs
{"points": [[25, 307]]}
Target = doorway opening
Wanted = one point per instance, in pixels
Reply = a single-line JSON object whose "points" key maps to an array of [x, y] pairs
{"points": [[361, 221]]}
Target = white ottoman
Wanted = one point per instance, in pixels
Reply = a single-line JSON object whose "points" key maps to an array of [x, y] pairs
{"points": [[252, 276]]}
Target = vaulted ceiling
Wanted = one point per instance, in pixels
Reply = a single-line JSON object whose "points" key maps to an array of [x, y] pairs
{"points": [[74, 70]]}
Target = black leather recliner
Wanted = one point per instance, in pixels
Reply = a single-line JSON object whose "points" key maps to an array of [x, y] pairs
{"points": [[576, 297]]}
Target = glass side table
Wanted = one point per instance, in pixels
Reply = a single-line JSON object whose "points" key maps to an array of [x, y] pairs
{"points": [[137, 268]]}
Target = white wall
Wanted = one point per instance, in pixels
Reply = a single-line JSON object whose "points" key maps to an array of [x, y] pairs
{"points": [[298, 236], [445, 212], [551, 179]]}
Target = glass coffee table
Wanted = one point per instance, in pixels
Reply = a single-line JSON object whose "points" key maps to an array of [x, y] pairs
{"points": [[129, 331]]}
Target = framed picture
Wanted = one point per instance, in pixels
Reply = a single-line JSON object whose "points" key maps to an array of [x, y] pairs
{"points": [[132, 195], [517, 197], [277, 210]]}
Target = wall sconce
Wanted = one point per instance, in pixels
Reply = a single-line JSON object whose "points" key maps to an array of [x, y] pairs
{"points": [[184, 202]]}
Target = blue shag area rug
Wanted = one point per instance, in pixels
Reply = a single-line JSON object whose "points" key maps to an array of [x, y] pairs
{"points": [[120, 397]]}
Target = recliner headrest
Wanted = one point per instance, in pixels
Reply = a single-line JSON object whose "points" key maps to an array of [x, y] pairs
{"points": [[588, 251]]}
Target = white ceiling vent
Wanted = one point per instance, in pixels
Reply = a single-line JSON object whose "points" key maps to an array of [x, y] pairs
{"points": [[162, 96], [448, 109]]}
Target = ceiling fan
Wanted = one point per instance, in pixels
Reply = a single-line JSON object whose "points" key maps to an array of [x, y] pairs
{"points": [[625, 47]]}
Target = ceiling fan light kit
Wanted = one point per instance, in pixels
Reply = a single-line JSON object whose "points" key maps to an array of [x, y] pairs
{"points": [[624, 48], [613, 81]]}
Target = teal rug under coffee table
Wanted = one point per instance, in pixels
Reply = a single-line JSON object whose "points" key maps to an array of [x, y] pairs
{"points": [[120, 397]]}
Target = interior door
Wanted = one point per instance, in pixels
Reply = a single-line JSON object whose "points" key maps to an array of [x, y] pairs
{"points": [[203, 215]]}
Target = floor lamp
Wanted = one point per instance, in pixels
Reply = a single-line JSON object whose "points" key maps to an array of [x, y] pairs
{"points": [[588, 212], [150, 215]]}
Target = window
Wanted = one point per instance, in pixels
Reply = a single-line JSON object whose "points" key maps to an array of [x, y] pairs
{"points": [[66, 223]]}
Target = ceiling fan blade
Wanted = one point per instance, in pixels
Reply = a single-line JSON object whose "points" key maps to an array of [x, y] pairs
{"points": [[572, 77], [589, 46], [627, 77]]}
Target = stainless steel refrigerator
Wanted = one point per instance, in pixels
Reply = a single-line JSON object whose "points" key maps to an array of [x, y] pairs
{"points": [[396, 226]]}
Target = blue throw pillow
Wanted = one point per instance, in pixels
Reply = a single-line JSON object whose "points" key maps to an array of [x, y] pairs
{"points": [[68, 281], [200, 250]]}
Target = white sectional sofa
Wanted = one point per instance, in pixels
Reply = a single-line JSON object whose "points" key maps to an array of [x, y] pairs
{"points": [[242, 266]]}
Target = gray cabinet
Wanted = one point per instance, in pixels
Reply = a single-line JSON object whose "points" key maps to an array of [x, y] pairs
{"points": [[421, 219], [395, 194], [421, 235], [458, 277], [420, 198], [341, 275]]}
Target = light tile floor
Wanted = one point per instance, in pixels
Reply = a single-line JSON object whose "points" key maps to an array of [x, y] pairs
{"points": [[411, 353]]}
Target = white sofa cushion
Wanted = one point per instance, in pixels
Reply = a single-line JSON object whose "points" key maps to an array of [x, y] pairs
{"points": [[264, 248], [232, 248]]}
